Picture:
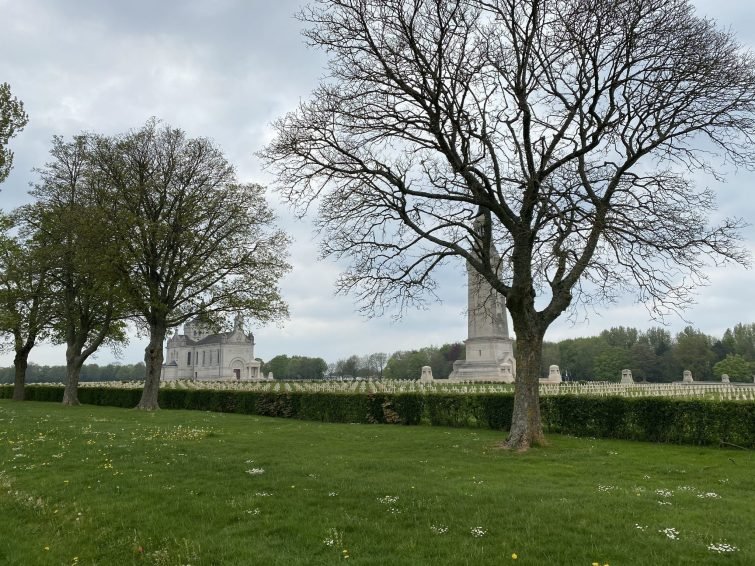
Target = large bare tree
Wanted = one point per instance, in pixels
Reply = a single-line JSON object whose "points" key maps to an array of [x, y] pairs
{"points": [[193, 241], [572, 129]]}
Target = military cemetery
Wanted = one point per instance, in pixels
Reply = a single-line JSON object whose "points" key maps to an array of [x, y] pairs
{"points": [[383, 282]]}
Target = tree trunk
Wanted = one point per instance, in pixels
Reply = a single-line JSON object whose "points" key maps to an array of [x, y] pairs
{"points": [[20, 363], [153, 359], [526, 428], [73, 371]]}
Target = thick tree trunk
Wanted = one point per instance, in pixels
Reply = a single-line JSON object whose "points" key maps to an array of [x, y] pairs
{"points": [[20, 363], [526, 428], [73, 371], [153, 359]]}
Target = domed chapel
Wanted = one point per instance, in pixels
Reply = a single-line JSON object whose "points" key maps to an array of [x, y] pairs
{"points": [[199, 354]]}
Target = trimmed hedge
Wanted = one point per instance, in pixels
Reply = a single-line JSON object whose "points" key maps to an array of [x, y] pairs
{"points": [[655, 419]]}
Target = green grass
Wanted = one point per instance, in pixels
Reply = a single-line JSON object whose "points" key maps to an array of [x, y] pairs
{"points": [[97, 485]]}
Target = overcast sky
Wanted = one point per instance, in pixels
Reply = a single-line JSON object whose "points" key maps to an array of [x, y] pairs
{"points": [[225, 69]]}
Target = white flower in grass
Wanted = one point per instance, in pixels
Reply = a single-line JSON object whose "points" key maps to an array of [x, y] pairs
{"points": [[263, 494], [642, 528], [606, 488], [664, 492], [333, 538], [388, 499], [664, 502], [670, 532], [722, 547], [709, 495], [478, 532], [439, 529], [255, 471], [333, 494]]}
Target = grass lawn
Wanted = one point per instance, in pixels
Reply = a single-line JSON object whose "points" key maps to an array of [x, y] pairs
{"points": [[99, 485]]}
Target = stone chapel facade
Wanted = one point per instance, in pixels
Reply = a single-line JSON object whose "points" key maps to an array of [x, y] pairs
{"points": [[198, 354]]}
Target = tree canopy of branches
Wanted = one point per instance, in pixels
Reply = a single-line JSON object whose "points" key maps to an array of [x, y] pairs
{"points": [[193, 240], [571, 127], [88, 306], [13, 118]]}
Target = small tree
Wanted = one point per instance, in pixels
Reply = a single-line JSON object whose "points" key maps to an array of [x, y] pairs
{"points": [[376, 363], [561, 131], [193, 240], [24, 301], [13, 118], [736, 367], [693, 352]]}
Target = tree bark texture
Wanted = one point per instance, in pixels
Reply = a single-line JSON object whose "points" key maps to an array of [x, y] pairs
{"points": [[153, 359], [526, 428], [73, 371], [20, 363]]}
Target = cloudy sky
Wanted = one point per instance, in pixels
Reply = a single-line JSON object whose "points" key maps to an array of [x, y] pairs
{"points": [[225, 69]]}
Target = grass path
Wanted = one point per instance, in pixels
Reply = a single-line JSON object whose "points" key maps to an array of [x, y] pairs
{"points": [[97, 485]]}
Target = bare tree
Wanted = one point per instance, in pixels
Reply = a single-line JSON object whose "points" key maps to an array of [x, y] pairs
{"points": [[570, 128], [376, 363], [193, 241]]}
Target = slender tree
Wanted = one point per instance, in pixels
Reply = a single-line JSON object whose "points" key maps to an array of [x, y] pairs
{"points": [[24, 301], [13, 118], [568, 127], [193, 240], [88, 307]]}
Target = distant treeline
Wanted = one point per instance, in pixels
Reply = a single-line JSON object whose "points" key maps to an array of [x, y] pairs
{"points": [[89, 372], [653, 355]]}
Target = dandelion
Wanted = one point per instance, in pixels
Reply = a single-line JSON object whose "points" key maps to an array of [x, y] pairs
{"points": [[514, 556]]}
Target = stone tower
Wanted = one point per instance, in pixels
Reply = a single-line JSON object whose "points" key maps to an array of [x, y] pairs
{"points": [[490, 352]]}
